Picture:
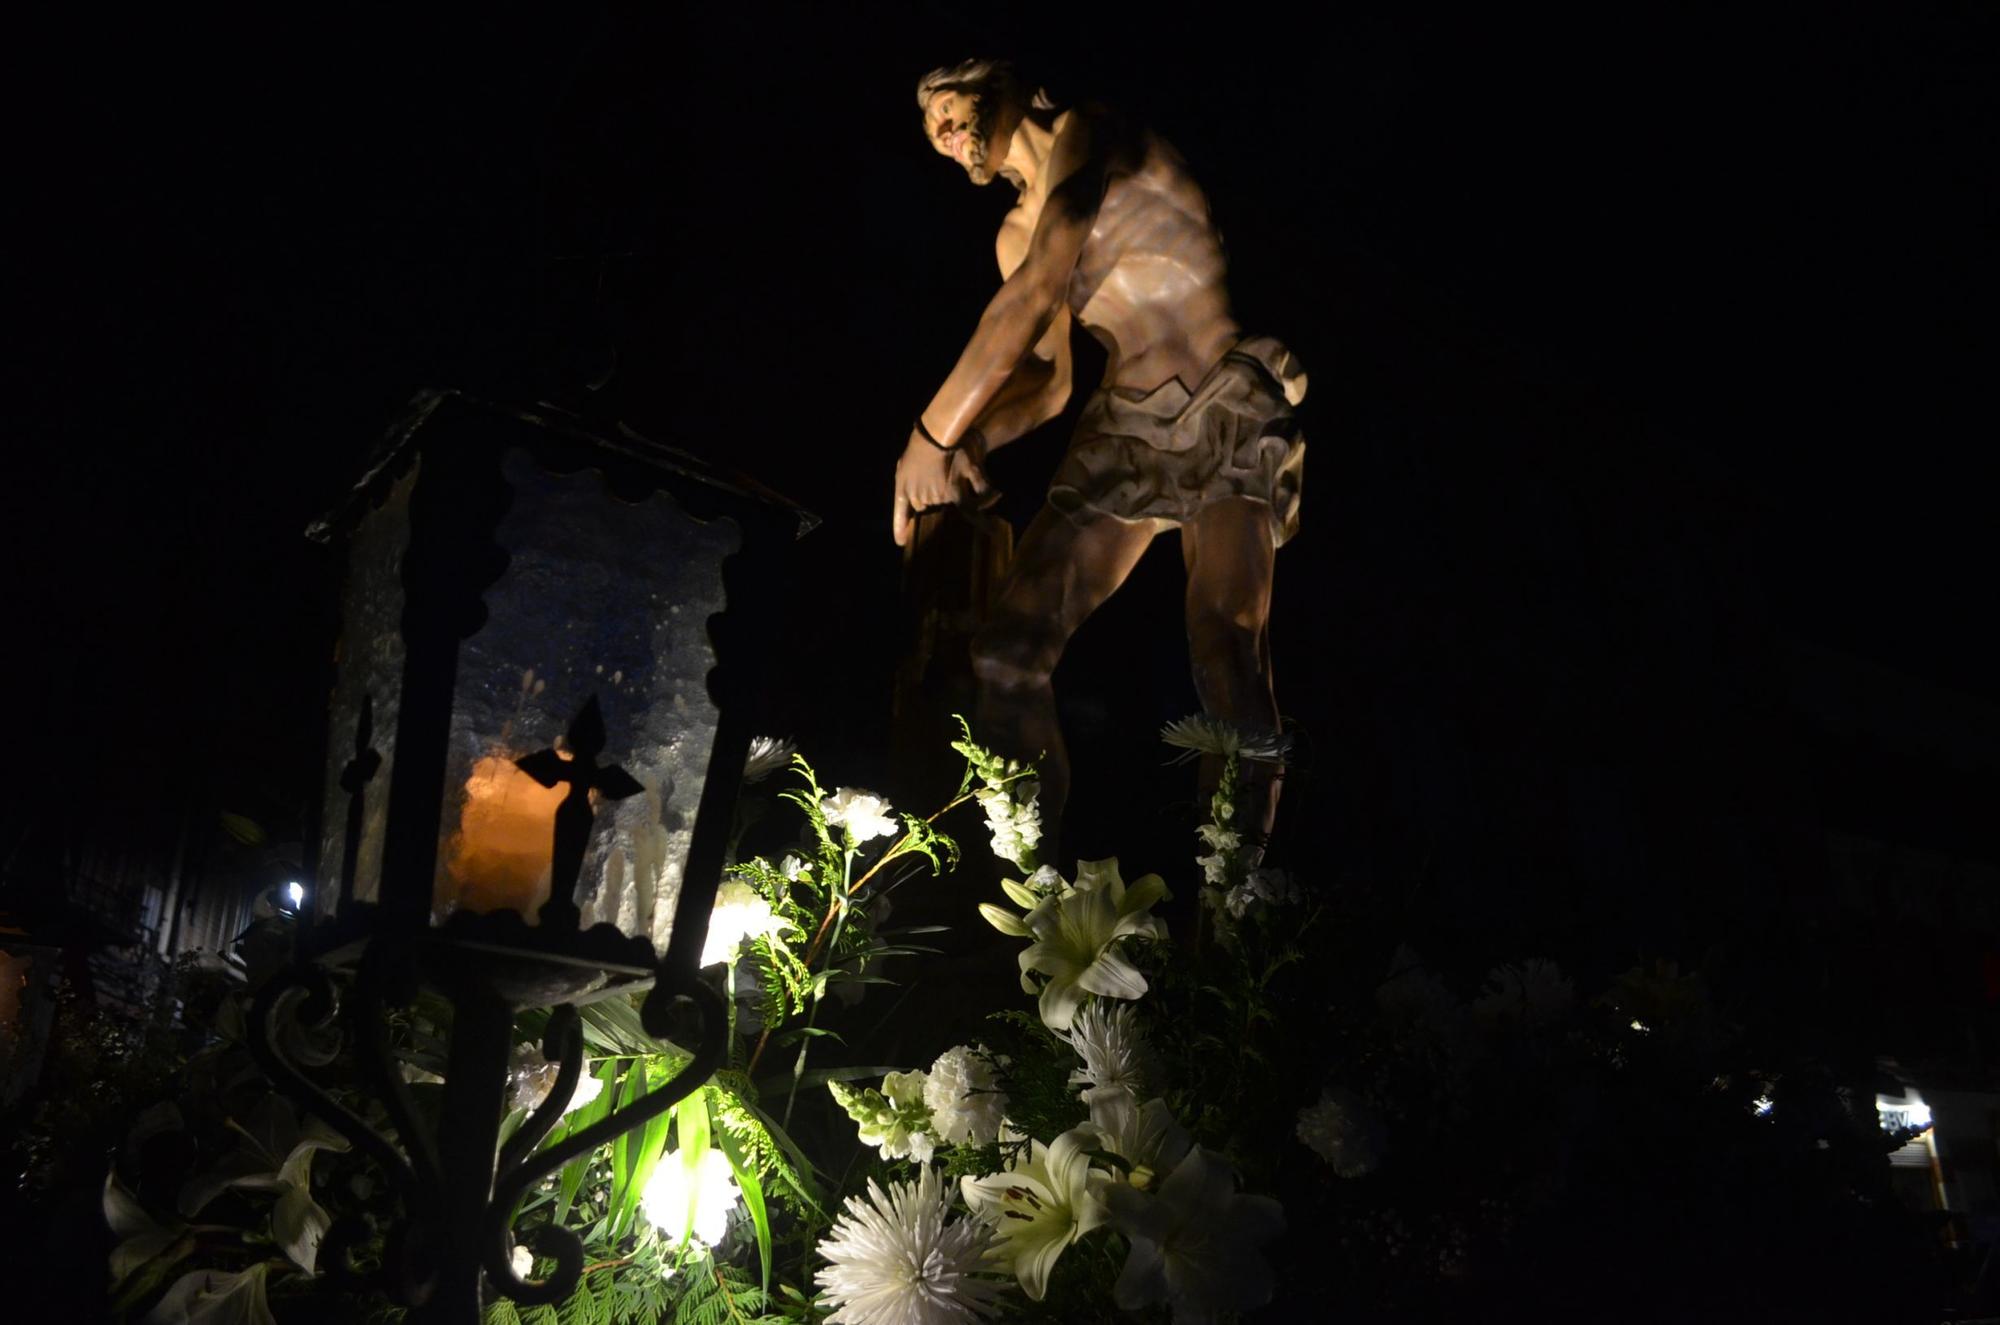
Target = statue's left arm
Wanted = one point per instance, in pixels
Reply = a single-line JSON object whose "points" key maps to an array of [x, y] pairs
{"points": [[1015, 319]]}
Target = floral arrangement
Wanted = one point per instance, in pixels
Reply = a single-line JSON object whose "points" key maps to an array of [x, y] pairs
{"points": [[1131, 1139]]}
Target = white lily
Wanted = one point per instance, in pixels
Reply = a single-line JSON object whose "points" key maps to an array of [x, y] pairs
{"points": [[1040, 1206], [140, 1236], [1077, 935], [1146, 1138], [211, 1297], [1195, 1244], [275, 1156]]}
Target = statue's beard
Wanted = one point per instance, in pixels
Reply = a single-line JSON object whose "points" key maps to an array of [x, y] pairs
{"points": [[978, 137]]}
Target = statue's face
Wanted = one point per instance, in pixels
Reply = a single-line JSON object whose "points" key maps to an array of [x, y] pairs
{"points": [[960, 125]]}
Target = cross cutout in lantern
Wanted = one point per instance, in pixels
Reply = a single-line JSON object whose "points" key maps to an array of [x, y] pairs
{"points": [[580, 769], [357, 774]]}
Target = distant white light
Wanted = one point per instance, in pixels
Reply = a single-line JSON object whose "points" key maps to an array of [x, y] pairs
{"points": [[1641, 1026], [1904, 1111], [1763, 1105], [295, 893]]}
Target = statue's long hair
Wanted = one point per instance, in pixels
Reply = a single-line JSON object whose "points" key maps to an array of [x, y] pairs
{"points": [[988, 78]]}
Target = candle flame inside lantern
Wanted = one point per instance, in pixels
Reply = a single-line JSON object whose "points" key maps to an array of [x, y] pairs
{"points": [[500, 855]]}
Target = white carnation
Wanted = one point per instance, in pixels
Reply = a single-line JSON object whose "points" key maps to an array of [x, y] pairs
{"points": [[863, 814], [740, 912], [965, 1100]]}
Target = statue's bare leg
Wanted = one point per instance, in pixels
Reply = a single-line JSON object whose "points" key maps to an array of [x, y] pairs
{"points": [[1061, 573], [1229, 556]]}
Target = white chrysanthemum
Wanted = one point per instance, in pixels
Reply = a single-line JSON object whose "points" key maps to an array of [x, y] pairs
{"points": [[698, 1202], [896, 1258], [740, 912], [965, 1100], [768, 754], [1203, 735], [1343, 1131], [1535, 992], [1114, 1051], [863, 814]]}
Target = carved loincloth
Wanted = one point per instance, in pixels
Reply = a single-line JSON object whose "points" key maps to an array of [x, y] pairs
{"points": [[1165, 454]]}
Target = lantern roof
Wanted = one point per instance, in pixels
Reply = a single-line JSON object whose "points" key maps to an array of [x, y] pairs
{"points": [[681, 470]]}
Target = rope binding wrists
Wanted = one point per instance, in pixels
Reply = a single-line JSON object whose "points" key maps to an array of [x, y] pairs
{"points": [[925, 433]]}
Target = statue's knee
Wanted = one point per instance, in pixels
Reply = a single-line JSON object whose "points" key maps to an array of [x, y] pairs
{"points": [[1009, 654], [1223, 636]]}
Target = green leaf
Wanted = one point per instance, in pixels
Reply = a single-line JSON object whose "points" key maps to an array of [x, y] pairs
{"points": [[819, 1076], [625, 1153], [574, 1172], [794, 1168], [797, 1033], [651, 1145], [753, 1197], [612, 1026], [691, 1130]]}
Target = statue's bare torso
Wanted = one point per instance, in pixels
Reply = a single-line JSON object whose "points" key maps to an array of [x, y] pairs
{"points": [[1149, 282], [1110, 232]]}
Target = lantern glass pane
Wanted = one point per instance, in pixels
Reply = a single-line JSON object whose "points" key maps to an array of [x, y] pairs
{"points": [[604, 598], [370, 677]]}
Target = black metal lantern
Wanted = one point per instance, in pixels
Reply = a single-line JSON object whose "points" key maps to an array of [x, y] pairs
{"points": [[535, 741]]}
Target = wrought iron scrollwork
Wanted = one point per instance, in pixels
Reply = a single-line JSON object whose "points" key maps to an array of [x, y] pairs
{"points": [[413, 1168], [514, 1181], [318, 1010]]}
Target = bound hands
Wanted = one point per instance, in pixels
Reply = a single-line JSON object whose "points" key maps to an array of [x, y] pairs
{"points": [[927, 477]]}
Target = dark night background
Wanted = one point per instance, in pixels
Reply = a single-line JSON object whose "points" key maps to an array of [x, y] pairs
{"points": [[1650, 346]]}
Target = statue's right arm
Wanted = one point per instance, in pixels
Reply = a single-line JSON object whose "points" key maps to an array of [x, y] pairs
{"points": [[1034, 394], [1031, 300]]}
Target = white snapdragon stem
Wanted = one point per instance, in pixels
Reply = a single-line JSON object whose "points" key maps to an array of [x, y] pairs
{"points": [[812, 1007]]}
